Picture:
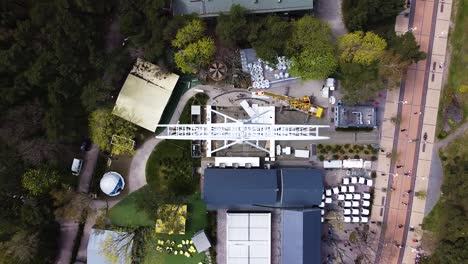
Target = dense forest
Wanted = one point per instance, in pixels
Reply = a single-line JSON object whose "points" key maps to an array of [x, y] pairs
{"points": [[52, 61]]}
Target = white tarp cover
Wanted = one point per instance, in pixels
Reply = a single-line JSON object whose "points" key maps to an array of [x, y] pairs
{"points": [[98, 237], [145, 94], [248, 238], [332, 164], [353, 164]]}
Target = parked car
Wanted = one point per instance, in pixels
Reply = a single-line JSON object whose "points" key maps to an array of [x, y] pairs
{"points": [[86, 145], [76, 166]]}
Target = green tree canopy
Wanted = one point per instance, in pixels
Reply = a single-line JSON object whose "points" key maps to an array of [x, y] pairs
{"points": [[232, 28], [359, 82], [189, 34], [195, 55], [406, 47], [41, 180], [268, 36], [360, 47], [103, 125], [370, 14], [311, 49]]}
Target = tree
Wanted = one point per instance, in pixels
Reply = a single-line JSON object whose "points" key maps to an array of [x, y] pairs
{"points": [[370, 14], [103, 125], [362, 48], [406, 47], [195, 55], [115, 247], [359, 82], [95, 93], [189, 34], [21, 248], [392, 69], [41, 180], [269, 36], [311, 50], [421, 194], [70, 205], [232, 28]]}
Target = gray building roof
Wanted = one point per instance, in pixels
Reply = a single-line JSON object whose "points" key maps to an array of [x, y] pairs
{"points": [[200, 241], [209, 8], [226, 188], [300, 236], [301, 187], [358, 116]]}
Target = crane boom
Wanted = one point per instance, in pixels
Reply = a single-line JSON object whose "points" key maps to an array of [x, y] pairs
{"points": [[302, 104]]}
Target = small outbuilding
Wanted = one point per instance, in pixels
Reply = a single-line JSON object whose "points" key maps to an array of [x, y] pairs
{"points": [[200, 241]]}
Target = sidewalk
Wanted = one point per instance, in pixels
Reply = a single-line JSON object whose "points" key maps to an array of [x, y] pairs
{"points": [[421, 93], [431, 107]]}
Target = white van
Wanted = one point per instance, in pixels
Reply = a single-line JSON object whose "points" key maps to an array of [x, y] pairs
{"points": [[76, 166]]}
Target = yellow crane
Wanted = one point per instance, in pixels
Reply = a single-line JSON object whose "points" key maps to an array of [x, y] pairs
{"points": [[302, 104]]}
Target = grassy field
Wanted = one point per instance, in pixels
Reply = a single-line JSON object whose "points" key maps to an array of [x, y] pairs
{"points": [[458, 79], [126, 213], [197, 220]]}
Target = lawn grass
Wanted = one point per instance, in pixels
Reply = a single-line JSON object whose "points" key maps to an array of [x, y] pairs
{"points": [[458, 64], [196, 220], [127, 214]]}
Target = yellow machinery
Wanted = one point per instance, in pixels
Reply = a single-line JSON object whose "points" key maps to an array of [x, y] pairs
{"points": [[299, 104]]}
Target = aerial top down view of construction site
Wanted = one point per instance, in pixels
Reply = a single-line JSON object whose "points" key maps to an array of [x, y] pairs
{"points": [[234, 132]]}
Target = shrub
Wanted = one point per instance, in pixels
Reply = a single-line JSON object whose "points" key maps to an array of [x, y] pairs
{"points": [[374, 158], [373, 174], [321, 157], [351, 150], [342, 151], [319, 146], [328, 147], [335, 156], [366, 152], [356, 156], [345, 157], [346, 146]]}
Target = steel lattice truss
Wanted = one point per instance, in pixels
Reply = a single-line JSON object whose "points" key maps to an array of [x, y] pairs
{"points": [[242, 132], [233, 131]]}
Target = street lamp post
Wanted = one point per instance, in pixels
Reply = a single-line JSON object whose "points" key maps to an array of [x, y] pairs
{"points": [[401, 102]]}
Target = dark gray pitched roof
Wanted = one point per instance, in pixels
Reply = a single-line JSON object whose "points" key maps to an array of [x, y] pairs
{"points": [[239, 187], [301, 187], [301, 236]]}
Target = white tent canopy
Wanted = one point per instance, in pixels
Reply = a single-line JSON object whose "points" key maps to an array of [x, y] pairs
{"points": [[144, 95]]}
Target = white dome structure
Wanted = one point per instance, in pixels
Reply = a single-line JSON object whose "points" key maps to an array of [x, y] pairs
{"points": [[112, 183]]}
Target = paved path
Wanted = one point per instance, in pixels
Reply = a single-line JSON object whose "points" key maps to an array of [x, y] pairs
{"points": [[69, 229], [330, 11], [417, 104], [436, 173], [136, 176]]}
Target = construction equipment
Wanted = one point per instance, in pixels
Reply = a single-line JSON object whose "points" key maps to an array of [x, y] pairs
{"points": [[299, 104]]}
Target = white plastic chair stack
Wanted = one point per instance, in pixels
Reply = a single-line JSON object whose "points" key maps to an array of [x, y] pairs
{"points": [[345, 181]]}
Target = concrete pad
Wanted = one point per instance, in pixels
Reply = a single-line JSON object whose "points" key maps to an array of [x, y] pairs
{"points": [[432, 98], [390, 110], [392, 96], [380, 196], [445, 15], [418, 204], [438, 60], [430, 116], [441, 29], [383, 166], [427, 154], [436, 82], [408, 256], [387, 145], [375, 214], [388, 129], [420, 185], [424, 168], [430, 130], [440, 45]]}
